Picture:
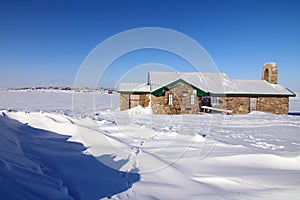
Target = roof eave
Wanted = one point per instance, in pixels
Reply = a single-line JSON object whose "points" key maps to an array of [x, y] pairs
{"points": [[199, 91], [251, 95], [134, 92]]}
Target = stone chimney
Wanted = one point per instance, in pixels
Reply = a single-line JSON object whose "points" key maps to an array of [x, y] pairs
{"points": [[270, 73]]}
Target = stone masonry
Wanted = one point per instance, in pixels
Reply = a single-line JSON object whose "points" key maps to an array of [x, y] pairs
{"points": [[270, 73], [144, 100], [124, 101], [276, 105], [238, 105], [128, 101], [181, 101]]}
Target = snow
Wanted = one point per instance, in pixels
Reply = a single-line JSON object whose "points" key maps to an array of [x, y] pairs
{"points": [[53, 101], [39, 164], [271, 63], [49, 152], [214, 83], [294, 106]]}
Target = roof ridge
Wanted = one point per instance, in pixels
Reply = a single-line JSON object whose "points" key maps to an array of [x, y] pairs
{"points": [[249, 80]]}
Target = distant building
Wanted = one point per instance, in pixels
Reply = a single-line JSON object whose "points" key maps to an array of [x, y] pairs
{"points": [[187, 92]]}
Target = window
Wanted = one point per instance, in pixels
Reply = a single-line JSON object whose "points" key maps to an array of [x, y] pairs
{"points": [[192, 99], [266, 74], [170, 99], [215, 100]]}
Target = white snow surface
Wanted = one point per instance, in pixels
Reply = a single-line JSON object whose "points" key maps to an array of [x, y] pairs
{"points": [[218, 83], [294, 106], [49, 152]]}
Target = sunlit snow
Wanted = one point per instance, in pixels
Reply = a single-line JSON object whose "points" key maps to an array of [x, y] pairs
{"points": [[48, 151]]}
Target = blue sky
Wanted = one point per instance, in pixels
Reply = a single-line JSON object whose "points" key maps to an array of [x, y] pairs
{"points": [[44, 42]]}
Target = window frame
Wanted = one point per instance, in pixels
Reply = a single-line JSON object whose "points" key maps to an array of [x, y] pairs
{"points": [[192, 99], [215, 100], [170, 99]]}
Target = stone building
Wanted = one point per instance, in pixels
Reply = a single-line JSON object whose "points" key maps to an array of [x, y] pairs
{"points": [[187, 93]]}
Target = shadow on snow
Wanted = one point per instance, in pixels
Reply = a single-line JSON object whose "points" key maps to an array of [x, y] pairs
{"points": [[294, 113], [39, 164]]}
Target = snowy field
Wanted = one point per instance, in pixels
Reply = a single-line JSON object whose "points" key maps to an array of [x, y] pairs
{"points": [[49, 150]]}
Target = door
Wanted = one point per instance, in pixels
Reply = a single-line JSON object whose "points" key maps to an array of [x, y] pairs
{"points": [[252, 104], [134, 100]]}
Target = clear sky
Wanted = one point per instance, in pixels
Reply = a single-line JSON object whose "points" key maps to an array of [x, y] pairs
{"points": [[44, 42]]}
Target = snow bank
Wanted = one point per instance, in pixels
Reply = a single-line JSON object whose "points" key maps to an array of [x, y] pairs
{"points": [[294, 106], [139, 110], [50, 153], [235, 169], [38, 164]]}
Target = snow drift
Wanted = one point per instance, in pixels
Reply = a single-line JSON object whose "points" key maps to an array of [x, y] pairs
{"points": [[47, 153]]}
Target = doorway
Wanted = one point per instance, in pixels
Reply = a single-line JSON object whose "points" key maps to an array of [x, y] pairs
{"points": [[252, 104]]}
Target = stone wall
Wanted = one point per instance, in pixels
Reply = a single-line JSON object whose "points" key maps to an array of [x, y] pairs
{"points": [[124, 101], [144, 100], [272, 73], [238, 105], [181, 101], [241, 105], [128, 101], [159, 105], [276, 105]]}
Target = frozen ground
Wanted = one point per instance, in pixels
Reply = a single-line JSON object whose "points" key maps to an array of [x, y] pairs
{"points": [[52, 101], [50, 152]]}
